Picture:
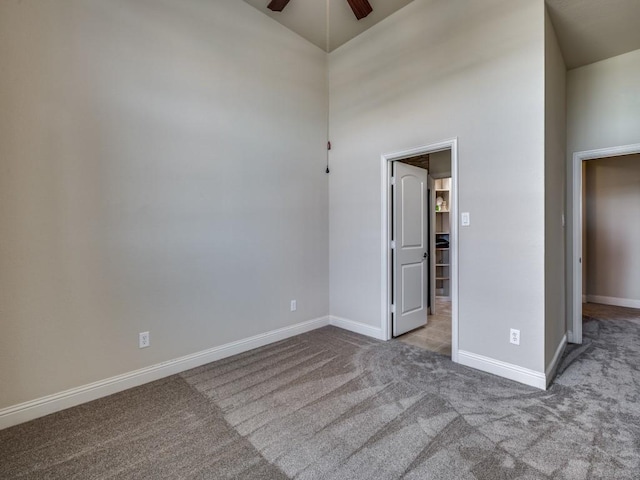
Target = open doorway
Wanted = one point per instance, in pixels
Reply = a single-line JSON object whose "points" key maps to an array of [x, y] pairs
{"points": [[420, 277], [603, 261]]}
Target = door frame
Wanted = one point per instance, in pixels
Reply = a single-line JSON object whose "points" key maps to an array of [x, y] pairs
{"points": [[574, 334], [386, 266]]}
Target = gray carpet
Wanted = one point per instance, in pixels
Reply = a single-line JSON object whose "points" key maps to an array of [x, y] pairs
{"points": [[334, 405]]}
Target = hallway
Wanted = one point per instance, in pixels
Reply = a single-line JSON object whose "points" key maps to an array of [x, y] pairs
{"points": [[436, 335]]}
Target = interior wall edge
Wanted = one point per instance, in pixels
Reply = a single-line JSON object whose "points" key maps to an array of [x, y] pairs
{"points": [[550, 372]]}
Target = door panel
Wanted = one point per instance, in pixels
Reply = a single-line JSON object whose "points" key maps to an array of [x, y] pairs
{"points": [[413, 291], [410, 267], [412, 235]]}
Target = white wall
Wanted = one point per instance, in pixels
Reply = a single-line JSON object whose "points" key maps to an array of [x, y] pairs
{"points": [[555, 146], [612, 218], [433, 71], [603, 111], [162, 169]]}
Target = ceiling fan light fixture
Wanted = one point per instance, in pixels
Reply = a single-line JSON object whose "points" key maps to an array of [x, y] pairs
{"points": [[277, 5], [361, 8]]}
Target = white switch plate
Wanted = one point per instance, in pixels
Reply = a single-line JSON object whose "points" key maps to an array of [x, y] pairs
{"points": [[144, 340], [465, 219], [515, 336], [294, 305]]}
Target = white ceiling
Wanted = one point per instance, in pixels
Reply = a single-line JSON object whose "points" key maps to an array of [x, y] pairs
{"points": [[308, 18], [588, 30]]}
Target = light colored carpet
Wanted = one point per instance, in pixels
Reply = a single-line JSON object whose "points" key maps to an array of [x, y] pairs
{"points": [[334, 405]]}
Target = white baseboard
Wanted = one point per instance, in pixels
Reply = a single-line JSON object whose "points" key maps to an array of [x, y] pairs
{"points": [[40, 407], [357, 327], [618, 302], [503, 369], [553, 366]]}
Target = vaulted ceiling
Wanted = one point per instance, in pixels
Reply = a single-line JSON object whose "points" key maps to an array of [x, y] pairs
{"points": [[588, 30], [308, 18], [591, 30]]}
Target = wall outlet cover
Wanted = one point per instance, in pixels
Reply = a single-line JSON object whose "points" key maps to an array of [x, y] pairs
{"points": [[514, 336], [144, 340]]}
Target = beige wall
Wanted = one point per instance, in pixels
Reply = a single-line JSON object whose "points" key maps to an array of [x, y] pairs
{"points": [[555, 146], [162, 169], [612, 218], [603, 111], [433, 71]]}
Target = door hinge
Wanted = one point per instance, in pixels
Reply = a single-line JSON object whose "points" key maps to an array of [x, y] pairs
{"points": [[393, 180], [393, 244], [393, 308]]}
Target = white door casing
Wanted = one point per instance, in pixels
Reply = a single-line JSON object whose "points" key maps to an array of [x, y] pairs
{"points": [[574, 333], [386, 273], [411, 262]]}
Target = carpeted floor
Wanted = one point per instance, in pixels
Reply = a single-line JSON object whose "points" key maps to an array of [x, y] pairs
{"points": [[334, 405]]}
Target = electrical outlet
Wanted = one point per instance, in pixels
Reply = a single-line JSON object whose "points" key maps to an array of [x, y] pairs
{"points": [[515, 336], [294, 305], [144, 340]]}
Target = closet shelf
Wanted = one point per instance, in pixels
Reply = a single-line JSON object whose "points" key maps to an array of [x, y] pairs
{"points": [[441, 232]]}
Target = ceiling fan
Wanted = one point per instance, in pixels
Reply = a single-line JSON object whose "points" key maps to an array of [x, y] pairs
{"points": [[361, 8]]}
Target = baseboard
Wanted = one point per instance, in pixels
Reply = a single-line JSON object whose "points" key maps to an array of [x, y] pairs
{"points": [[553, 366], [357, 327], [40, 407], [503, 369], [618, 302]]}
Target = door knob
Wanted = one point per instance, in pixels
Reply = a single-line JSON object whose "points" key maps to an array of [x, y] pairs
{"points": [[425, 255]]}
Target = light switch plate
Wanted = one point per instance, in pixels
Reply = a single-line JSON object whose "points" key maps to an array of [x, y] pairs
{"points": [[465, 219]]}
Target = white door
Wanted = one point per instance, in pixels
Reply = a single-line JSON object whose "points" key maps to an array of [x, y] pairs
{"points": [[410, 259]]}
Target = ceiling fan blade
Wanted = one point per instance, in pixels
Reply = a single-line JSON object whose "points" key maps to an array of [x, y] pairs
{"points": [[277, 5], [361, 8]]}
